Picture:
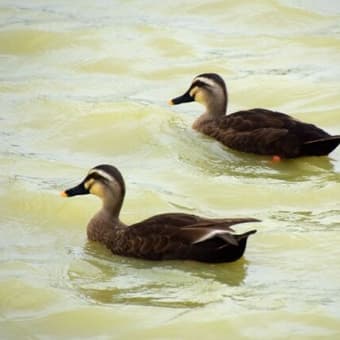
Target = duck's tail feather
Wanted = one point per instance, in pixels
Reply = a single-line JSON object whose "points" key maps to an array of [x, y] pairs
{"points": [[235, 238], [200, 232], [320, 147], [246, 234]]}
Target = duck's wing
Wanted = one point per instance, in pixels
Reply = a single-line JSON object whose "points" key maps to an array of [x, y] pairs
{"points": [[167, 227], [256, 131], [264, 132], [248, 120], [181, 236], [158, 238], [186, 220]]}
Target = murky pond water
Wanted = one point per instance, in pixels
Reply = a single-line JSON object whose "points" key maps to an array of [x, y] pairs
{"points": [[86, 82]]}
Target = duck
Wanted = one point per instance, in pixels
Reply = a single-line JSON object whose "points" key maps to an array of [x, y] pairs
{"points": [[257, 131], [166, 236]]}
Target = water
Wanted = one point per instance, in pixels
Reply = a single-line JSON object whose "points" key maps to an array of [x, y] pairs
{"points": [[83, 83]]}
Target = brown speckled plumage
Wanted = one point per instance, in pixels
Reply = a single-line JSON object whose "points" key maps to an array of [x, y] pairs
{"points": [[161, 237], [258, 131]]}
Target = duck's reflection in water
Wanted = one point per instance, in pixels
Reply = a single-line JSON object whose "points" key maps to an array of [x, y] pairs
{"points": [[104, 278]]}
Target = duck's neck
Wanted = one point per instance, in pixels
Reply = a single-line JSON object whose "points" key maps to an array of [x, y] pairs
{"points": [[215, 107], [106, 220], [112, 205]]}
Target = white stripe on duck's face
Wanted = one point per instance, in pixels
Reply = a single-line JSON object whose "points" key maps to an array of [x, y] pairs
{"points": [[101, 173], [205, 81]]}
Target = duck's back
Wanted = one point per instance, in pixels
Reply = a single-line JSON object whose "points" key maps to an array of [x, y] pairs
{"points": [[263, 132]]}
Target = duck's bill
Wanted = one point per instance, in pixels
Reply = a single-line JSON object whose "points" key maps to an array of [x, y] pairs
{"points": [[77, 190], [185, 98]]}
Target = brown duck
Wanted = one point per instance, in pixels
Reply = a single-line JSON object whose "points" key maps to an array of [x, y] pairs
{"points": [[258, 131], [168, 236]]}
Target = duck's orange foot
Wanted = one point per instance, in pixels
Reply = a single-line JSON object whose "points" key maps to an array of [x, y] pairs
{"points": [[276, 159]]}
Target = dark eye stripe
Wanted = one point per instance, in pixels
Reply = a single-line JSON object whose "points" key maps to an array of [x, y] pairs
{"points": [[199, 83], [96, 176]]}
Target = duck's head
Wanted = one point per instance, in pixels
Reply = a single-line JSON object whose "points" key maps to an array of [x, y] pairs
{"points": [[104, 181], [208, 89]]}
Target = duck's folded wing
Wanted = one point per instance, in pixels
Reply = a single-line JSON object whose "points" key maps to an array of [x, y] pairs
{"points": [[253, 119], [192, 233], [261, 140], [181, 220], [156, 238], [173, 219]]}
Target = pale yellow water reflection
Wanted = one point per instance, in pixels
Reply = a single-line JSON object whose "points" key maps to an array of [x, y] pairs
{"points": [[86, 82]]}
